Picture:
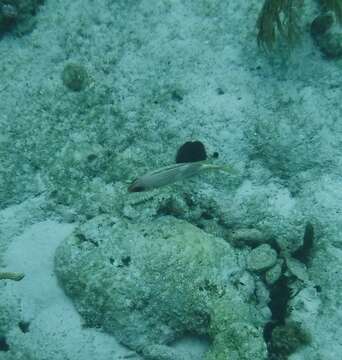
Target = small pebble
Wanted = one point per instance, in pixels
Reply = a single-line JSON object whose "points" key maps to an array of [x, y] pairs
{"points": [[297, 269], [75, 77], [248, 236]]}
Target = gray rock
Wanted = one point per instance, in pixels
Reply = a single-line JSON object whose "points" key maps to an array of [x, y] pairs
{"points": [[249, 237], [261, 258], [150, 284], [297, 269], [273, 274]]}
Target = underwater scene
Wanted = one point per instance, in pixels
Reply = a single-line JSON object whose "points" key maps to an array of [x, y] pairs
{"points": [[170, 180]]}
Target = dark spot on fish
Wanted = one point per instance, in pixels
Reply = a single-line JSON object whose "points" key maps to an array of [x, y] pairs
{"points": [[220, 91], [215, 155], [191, 151]]}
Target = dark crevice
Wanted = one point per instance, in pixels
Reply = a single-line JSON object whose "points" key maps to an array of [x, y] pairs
{"points": [[3, 344], [283, 337], [279, 297]]}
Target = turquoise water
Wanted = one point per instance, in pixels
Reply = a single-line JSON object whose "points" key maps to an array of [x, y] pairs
{"points": [[114, 242]]}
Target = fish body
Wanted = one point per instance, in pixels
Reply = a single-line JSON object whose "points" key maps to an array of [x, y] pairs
{"points": [[170, 174]]}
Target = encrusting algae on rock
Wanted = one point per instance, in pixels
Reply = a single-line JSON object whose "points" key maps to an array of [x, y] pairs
{"points": [[120, 280]]}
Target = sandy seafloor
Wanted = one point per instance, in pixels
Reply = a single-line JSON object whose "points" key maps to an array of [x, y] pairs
{"points": [[162, 73]]}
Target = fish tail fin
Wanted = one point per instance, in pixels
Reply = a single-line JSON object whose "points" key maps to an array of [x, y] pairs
{"points": [[225, 168]]}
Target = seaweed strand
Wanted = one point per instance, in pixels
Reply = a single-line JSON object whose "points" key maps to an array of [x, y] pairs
{"points": [[277, 16]]}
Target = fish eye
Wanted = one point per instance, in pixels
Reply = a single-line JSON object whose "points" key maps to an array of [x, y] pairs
{"points": [[135, 187]]}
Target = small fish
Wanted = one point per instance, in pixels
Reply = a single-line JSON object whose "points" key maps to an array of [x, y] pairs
{"points": [[172, 173], [16, 276]]}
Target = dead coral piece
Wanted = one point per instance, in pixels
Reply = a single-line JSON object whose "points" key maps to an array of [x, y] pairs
{"points": [[278, 17], [16, 276]]}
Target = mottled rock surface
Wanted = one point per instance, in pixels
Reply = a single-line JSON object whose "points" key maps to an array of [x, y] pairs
{"points": [[151, 284], [261, 258]]}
